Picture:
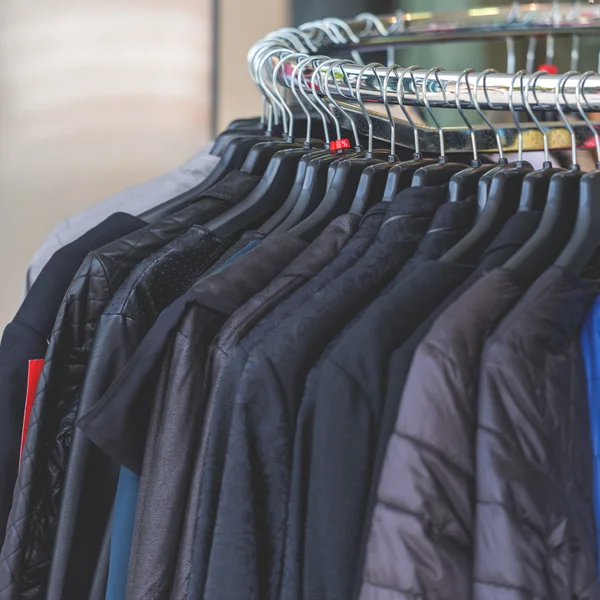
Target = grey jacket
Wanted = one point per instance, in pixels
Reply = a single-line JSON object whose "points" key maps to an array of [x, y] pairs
{"points": [[134, 200]]}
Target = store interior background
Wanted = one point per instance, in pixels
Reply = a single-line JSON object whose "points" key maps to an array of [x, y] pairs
{"points": [[99, 95]]}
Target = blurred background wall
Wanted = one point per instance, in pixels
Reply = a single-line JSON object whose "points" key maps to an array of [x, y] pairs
{"points": [[96, 96], [99, 95]]}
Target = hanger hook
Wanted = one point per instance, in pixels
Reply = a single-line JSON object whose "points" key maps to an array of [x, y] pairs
{"points": [[483, 75], [560, 89], [273, 100], [332, 63], [327, 66], [297, 76], [439, 128], [400, 98], [461, 111], [388, 110], [371, 66], [319, 104], [290, 125], [511, 106], [533, 80], [579, 95], [340, 63]]}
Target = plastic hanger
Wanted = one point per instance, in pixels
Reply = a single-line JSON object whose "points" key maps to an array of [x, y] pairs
{"points": [[535, 186], [464, 184], [585, 240], [483, 188], [371, 185], [440, 172], [260, 155], [315, 182], [560, 212], [341, 191], [232, 160], [276, 182], [501, 204], [312, 162], [400, 176]]}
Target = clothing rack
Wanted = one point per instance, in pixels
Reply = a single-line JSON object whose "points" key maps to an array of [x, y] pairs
{"points": [[443, 89]]}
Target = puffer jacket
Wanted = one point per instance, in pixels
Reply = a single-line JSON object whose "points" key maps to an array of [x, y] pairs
{"points": [[421, 538], [28, 547], [535, 535]]}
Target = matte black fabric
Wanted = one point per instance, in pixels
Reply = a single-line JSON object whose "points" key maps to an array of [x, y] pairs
{"points": [[336, 434], [247, 549], [209, 466], [535, 534], [428, 474], [26, 338], [308, 264], [26, 554], [91, 480], [513, 236]]}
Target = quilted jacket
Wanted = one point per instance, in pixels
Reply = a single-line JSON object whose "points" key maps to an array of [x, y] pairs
{"points": [[534, 477], [421, 537], [27, 550], [90, 483]]}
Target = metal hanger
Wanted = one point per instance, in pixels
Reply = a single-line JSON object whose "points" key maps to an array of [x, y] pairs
{"points": [[464, 184], [502, 202], [401, 174], [560, 212], [585, 240], [438, 173], [535, 186]]}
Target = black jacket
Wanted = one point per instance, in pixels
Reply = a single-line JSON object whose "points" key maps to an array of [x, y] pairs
{"points": [[206, 470], [26, 338], [90, 482], [26, 554], [247, 559], [209, 465], [337, 427]]}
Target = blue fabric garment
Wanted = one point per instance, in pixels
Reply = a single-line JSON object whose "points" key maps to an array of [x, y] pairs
{"points": [[126, 503], [122, 534], [249, 246], [590, 345]]}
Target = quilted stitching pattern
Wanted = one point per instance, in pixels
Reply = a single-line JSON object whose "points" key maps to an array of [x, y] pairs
{"points": [[27, 551]]}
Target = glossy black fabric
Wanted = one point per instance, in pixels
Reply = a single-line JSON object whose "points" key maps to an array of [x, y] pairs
{"points": [[207, 470], [91, 478], [534, 472], [398, 359], [26, 554], [336, 435], [209, 466], [177, 413], [26, 338], [247, 548]]}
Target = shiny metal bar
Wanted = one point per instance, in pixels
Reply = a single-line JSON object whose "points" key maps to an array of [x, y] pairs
{"points": [[492, 94]]}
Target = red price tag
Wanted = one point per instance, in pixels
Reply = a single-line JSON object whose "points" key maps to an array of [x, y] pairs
{"points": [[33, 376]]}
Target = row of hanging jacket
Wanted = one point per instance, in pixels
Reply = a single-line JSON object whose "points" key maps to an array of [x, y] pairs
{"points": [[361, 366]]}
